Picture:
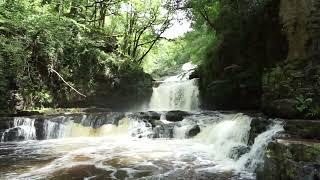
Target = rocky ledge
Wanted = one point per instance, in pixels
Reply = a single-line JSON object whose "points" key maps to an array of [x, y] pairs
{"points": [[291, 159], [153, 126], [294, 154]]}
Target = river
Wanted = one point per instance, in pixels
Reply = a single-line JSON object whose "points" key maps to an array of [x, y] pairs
{"points": [[156, 144]]}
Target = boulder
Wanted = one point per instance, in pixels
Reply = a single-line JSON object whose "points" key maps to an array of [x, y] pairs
{"points": [[291, 159], [150, 115], [163, 131], [40, 129], [12, 134], [284, 108], [258, 125], [238, 151], [175, 116], [193, 131], [302, 129], [195, 74]]}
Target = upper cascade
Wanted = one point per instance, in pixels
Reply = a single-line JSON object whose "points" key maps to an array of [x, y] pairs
{"points": [[176, 92]]}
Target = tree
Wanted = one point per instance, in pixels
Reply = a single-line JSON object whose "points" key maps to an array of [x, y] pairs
{"points": [[142, 24]]}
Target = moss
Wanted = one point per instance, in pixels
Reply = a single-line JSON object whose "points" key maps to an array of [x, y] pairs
{"points": [[303, 129], [290, 160]]}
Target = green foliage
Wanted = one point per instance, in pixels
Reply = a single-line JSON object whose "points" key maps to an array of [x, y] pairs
{"points": [[303, 104], [77, 39], [307, 107], [169, 55], [314, 112]]}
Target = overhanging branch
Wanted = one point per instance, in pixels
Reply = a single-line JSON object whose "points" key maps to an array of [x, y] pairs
{"points": [[52, 70]]}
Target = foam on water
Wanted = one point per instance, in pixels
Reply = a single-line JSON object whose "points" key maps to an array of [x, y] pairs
{"points": [[122, 146], [23, 128], [176, 92], [114, 151]]}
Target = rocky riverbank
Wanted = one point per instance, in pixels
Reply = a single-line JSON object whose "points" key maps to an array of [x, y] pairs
{"points": [[277, 72], [297, 147], [294, 154]]}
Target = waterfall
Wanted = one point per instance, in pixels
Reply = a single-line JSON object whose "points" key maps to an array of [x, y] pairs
{"points": [[255, 156], [68, 128], [224, 136], [176, 92], [139, 141], [54, 130], [23, 129]]}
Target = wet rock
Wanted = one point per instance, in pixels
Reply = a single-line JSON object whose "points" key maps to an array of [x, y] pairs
{"points": [[163, 131], [125, 90], [150, 115], [12, 135], [175, 116], [291, 159], [97, 120], [27, 113], [1, 134], [284, 108], [229, 94], [234, 68], [258, 125], [193, 131], [141, 129], [5, 122], [238, 151], [97, 110], [195, 74], [40, 129], [305, 129], [83, 172]]}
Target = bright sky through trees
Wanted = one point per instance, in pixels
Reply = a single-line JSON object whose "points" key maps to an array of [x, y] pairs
{"points": [[180, 26]]}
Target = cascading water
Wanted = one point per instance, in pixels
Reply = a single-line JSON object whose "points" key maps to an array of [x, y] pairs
{"points": [[23, 128], [176, 92], [140, 145], [254, 157], [123, 147], [226, 135]]}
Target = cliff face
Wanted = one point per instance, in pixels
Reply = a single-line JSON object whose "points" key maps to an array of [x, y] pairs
{"points": [[231, 76], [271, 62], [291, 88]]}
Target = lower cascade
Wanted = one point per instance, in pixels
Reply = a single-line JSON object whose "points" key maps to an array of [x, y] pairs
{"points": [[140, 145]]}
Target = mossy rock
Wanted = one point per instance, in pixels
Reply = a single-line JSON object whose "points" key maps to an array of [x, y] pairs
{"points": [[291, 159], [305, 129]]}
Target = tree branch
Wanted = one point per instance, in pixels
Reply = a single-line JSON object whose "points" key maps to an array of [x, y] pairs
{"points": [[52, 70], [206, 17]]}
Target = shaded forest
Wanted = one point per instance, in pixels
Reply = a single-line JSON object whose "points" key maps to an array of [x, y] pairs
{"points": [[99, 89], [251, 54]]}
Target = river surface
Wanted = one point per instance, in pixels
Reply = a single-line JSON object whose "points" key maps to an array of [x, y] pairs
{"points": [[150, 145]]}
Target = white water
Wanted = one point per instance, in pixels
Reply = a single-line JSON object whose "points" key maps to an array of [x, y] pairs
{"points": [[117, 148], [225, 135], [176, 92], [124, 149], [251, 160], [24, 127]]}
